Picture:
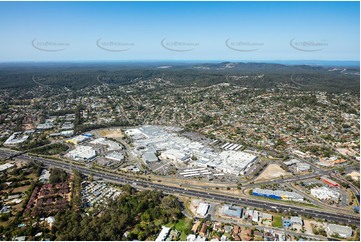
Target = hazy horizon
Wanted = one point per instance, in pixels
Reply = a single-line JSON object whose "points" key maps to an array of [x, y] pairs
{"points": [[179, 31]]}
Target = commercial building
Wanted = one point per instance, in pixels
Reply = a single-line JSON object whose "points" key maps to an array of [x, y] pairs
{"points": [[115, 156], [163, 234], [252, 214], [302, 167], [324, 193], [277, 194], [232, 211], [77, 139], [296, 220], [202, 209], [149, 157], [179, 149], [112, 145], [235, 162], [291, 162], [329, 181], [82, 152], [342, 231], [266, 217]]}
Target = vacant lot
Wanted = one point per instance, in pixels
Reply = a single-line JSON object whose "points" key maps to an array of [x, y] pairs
{"points": [[114, 133], [277, 222], [355, 175], [272, 171]]}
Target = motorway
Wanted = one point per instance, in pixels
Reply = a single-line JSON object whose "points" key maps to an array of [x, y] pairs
{"points": [[275, 207]]}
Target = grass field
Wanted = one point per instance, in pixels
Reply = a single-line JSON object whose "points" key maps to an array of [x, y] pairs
{"points": [[183, 225], [277, 222]]}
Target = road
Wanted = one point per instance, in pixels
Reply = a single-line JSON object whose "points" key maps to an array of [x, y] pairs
{"points": [[276, 207]]}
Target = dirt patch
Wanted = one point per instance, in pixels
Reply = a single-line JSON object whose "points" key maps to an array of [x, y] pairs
{"points": [[272, 171], [21, 189], [193, 205], [309, 224], [115, 133], [355, 175]]}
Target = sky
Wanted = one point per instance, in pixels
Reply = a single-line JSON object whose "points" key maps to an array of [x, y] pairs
{"points": [[179, 31]]}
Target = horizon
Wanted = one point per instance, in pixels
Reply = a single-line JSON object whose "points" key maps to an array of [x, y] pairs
{"points": [[322, 63], [179, 31]]}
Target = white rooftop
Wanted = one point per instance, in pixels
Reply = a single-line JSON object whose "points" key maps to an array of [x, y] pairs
{"points": [[202, 209], [5, 166]]}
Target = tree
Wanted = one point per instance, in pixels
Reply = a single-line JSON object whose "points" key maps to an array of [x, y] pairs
{"points": [[57, 176]]}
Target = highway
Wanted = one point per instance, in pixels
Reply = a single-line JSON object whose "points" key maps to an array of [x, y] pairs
{"points": [[276, 207]]}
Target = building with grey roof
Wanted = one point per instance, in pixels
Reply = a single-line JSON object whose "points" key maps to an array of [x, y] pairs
{"points": [[342, 231], [291, 162], [296, 220], [149, 157], [116, 156], [232, 211]]}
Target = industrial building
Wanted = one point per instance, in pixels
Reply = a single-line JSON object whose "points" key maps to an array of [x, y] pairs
{"points": [[277, 194], [202, 209], [45, 126], [232, 211], [16, 138], [329, 181], [324, 193], [67, 133], [342, 231], [82, 152], [67, 126]]}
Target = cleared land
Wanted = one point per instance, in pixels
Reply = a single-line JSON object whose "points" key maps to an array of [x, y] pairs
{"points": [[272, 171], [355, 175], [114, 133]]}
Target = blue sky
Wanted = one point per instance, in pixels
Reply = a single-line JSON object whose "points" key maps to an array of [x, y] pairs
{"points": [[69, 31]]}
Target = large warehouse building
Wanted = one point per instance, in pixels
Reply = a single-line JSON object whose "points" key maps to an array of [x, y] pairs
{"points": [[277, 194], [82, 152]]}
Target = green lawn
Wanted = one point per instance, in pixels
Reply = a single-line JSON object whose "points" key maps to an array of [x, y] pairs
{"points": [[277, 222], [183, 225]]}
